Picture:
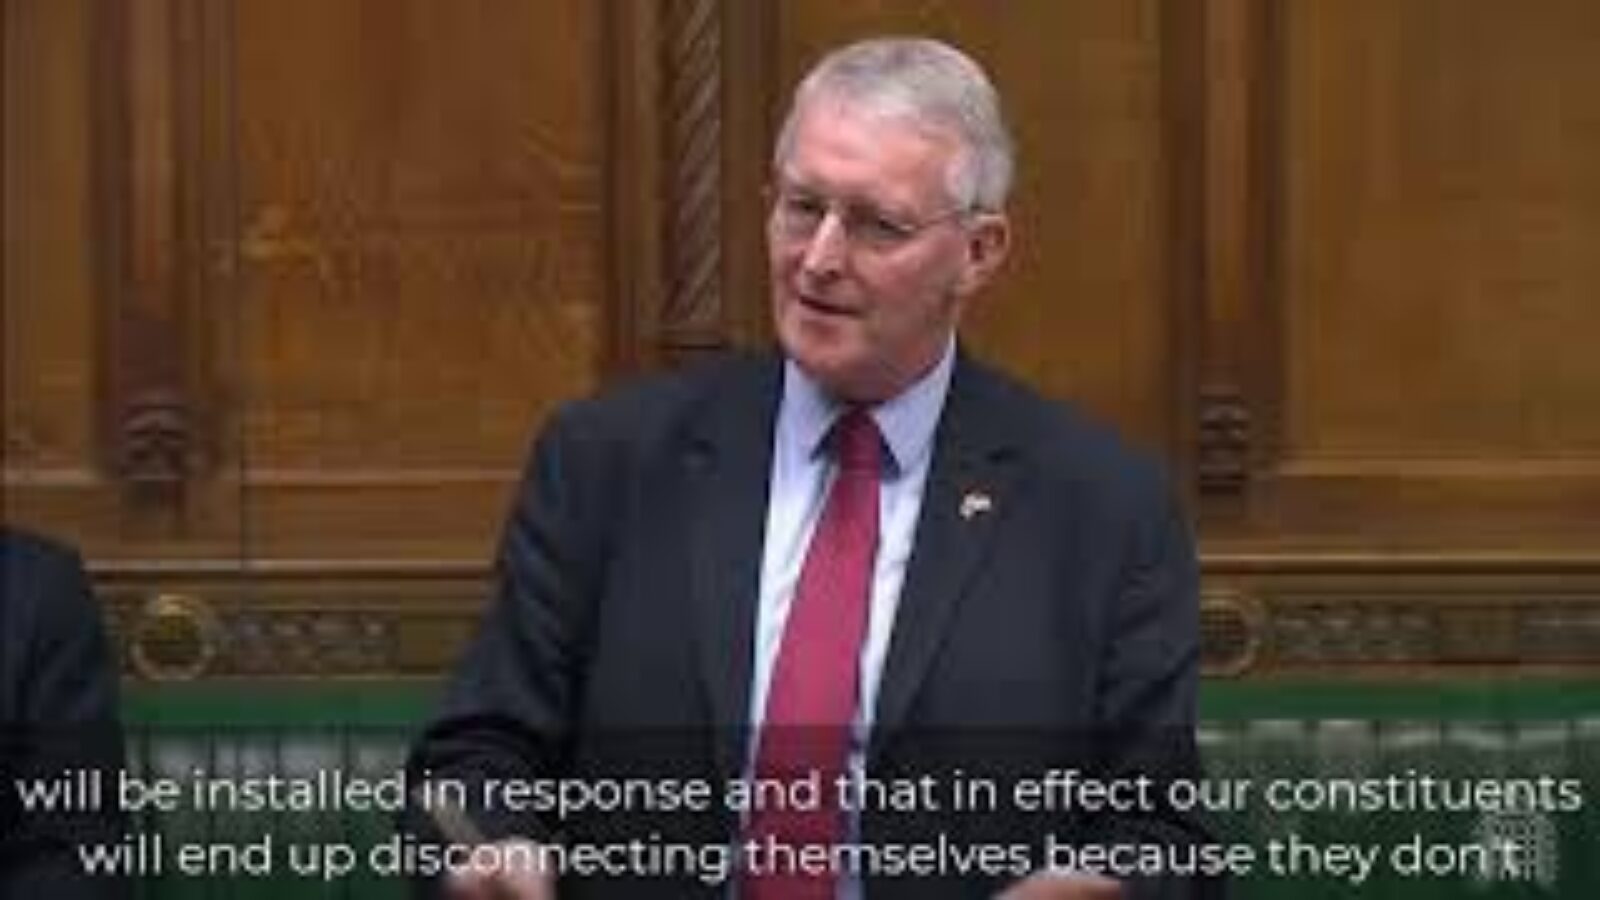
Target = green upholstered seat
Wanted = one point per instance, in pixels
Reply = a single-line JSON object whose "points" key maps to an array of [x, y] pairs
{"points": [[1252, 731]]}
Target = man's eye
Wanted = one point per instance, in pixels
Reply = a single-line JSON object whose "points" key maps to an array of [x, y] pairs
{"points": [[875, 227], [805, 207]]}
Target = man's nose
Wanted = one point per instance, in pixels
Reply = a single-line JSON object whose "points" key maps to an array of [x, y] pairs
{"points": [[826, 249]]}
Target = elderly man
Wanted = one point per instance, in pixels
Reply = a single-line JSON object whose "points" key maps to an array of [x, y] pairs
{"points": [[867, 562]]}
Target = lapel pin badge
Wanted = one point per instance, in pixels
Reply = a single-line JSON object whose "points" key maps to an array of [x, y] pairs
{"points": [[975, 503]]}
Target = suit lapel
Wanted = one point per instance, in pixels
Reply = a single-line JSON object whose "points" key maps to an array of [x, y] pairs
{"points": [[974, 470], [728, 462]]}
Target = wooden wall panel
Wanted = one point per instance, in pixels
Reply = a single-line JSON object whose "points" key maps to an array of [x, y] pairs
{"points": [[1408, 352], [421, 262], [1429, 280], [1085, 310], [49, 273], [288, 284], [107, 438], [1442, 232]]}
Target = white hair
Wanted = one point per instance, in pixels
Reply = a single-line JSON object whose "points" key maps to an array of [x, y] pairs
{"points": [[928, 83]]}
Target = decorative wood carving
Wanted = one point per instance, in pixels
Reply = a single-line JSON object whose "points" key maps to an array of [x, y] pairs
{"points": [[149, 168], [1362, 255], [179, 625], [1230, 633], [382, 620], [155, 444], [1224, 452], [689, 140], [1225, 183], [1331, 631], [173, 637], [1303, 220], [692, 97], [1365, 614]]}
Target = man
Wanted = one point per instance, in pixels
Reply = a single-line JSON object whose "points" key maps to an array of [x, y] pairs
{"points": [[698, 578], [58, 714]]}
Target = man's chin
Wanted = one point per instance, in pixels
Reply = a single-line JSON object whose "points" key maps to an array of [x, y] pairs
{"points": [[834, 374]]}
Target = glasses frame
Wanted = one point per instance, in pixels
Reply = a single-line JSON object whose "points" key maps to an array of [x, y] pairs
{"points": [[864, 226]]}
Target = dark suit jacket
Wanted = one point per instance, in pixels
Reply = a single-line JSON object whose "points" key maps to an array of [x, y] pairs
{"points": [[58, 711], [1057, 628]]}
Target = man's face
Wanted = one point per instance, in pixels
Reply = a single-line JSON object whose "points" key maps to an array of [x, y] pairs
{"points": [[871, 262]]}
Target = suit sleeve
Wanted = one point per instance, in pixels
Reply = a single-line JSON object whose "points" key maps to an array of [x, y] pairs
{"points": [[508, 711], [1149, 693], [65, 720]]}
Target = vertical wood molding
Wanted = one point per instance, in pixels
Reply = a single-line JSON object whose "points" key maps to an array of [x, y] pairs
{"points": [[1223, 452], [691, 94], [1232, 210], [690, 84], [750, 90], [631, 71], [1223, 463], [1182, 138], [1265, 325], [150, 191]]}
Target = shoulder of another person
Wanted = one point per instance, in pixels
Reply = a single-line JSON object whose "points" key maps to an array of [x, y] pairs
{"points": [[45, 590], [25, 548], [30, 561]]}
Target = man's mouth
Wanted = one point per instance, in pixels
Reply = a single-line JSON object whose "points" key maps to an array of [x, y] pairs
{"points": [[826, 307]]}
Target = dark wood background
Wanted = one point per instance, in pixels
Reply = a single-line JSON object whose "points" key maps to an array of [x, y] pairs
{"points": [[289, 284]]}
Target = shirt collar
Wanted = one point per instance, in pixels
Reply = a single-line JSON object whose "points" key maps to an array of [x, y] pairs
{"points": [[907, 420]]}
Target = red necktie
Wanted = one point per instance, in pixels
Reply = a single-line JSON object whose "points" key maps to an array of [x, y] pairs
{"points": [[811, 704]]}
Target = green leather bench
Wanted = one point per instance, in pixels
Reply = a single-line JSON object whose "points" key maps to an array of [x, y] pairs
{"points": [[294, 729], [1365, 732], [1251, 731]]}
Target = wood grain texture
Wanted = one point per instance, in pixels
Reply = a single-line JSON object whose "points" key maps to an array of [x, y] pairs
{"points": [[421, 256], [1372, 615], [1442, 232], [691, 96], [151, 120], [1335, 262], [1430, 279], [49, 288], [107, 356], [349, 620]]}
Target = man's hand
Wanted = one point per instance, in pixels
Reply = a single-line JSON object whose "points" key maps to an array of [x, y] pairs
{"points": [[505, 882], [1063, 886]]}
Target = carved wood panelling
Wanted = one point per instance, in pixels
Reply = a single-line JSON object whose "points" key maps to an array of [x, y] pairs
{"points": [[1223, 159], [1329, 631], [635, 226], [113, 300], [293, 620], [422, 256], [1223, 464], [1377, 613], [151, 180], [1413, 230], [689, 95], [49, 393], [378, 620], [298, 279], [692, 99]]}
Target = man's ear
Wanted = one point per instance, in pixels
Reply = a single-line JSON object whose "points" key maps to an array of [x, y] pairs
{"points": [[988, 243]]}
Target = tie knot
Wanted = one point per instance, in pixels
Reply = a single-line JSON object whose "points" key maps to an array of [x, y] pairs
{"points": [[857, 445]]}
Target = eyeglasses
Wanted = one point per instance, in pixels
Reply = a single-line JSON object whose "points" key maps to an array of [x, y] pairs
{"points": [[797, 215]]}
